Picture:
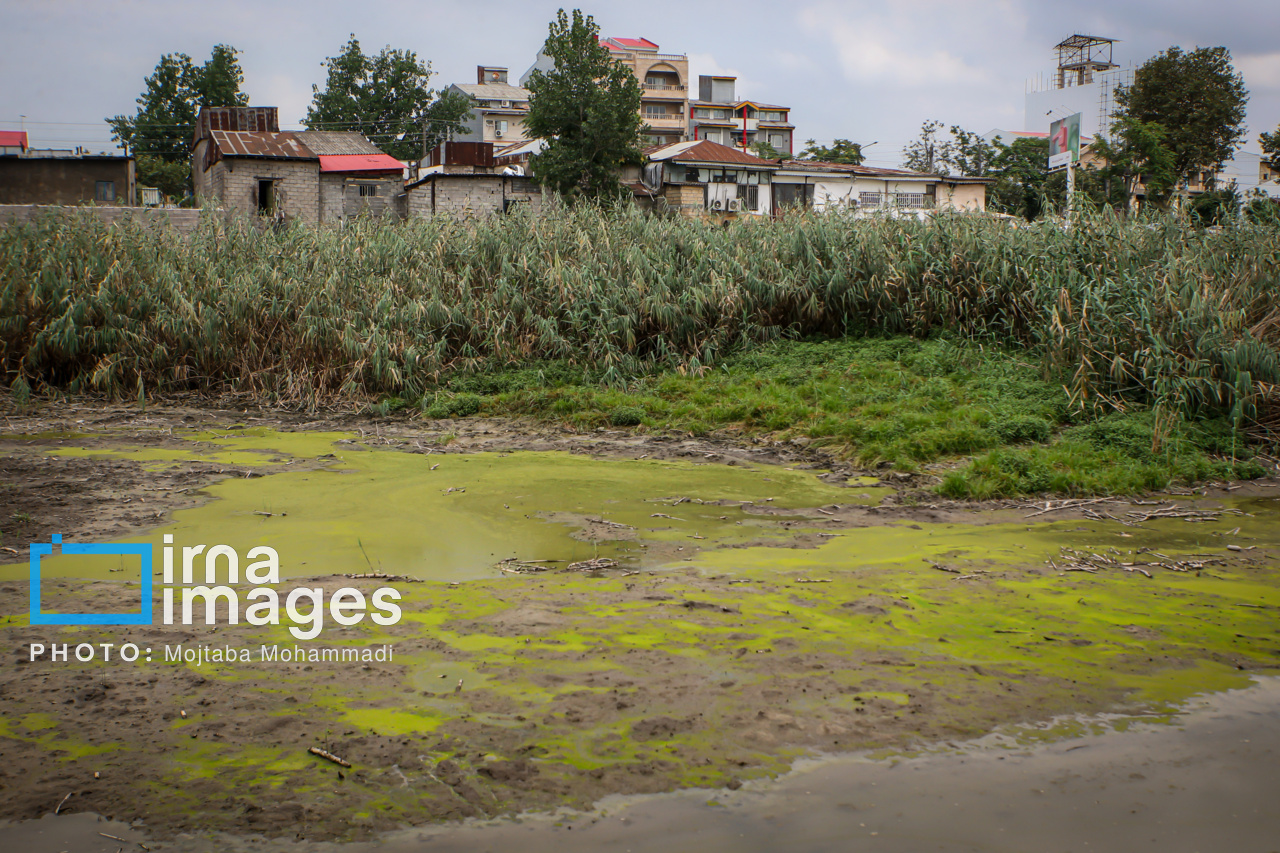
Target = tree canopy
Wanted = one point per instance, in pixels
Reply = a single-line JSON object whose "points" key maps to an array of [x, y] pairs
{"points": [[841, 151], [1137, 151], [387, 98], [587, 108], [159, 134], [1270, 143], [1197, 98]]}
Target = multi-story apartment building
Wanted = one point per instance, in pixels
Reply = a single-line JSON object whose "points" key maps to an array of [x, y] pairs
{"points": [[718, 115], [664, 85], [498, 109]]}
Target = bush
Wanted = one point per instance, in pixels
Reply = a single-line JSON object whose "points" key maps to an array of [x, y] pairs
{"points": [[625, 416], [458, 406]]}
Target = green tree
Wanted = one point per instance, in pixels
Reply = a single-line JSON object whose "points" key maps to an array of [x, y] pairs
{"points": [[1270, 143], [159, 134], [1023, 185], [841, 151], [1199, 100], [587, 108], [1137, 152], [762, 149], [967, 154], [926, 153], [387, 99]]}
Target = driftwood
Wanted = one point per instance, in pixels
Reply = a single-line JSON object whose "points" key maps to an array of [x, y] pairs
{"points": [[329, 756], [592, 565]]}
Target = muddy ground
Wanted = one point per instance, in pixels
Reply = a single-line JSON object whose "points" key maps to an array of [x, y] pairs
{"points": [[560, 688]]}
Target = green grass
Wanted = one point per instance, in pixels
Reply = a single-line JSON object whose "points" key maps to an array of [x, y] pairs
{"points": [[900, 401]]}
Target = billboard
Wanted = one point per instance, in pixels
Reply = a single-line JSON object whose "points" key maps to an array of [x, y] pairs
{"points": [[1064, 142]]}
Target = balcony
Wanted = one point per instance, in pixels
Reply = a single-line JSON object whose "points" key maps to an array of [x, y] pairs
{"points": [[664, 120], [655, 87]]}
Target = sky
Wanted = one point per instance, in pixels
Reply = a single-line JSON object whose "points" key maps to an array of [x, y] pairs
{"points": [[871, 72]]}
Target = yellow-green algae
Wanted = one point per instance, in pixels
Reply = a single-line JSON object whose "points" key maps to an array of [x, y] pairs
{"points": [[1010, 637]]}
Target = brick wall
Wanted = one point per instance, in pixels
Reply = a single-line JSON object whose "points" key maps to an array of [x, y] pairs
{"points": [[340, 196], [234, 180], [471, 195]]}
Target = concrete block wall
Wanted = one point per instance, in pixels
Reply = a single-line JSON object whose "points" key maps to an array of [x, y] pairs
{"points": [[183, 221], [234, 181]]}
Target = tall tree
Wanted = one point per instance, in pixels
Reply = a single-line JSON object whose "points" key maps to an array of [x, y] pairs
{"points": [[967, 154], [1199, 100], [841, 151], [587, 108], [159, 134], [926, 153], [1270, 143], [1137, 152], [387, 98]]}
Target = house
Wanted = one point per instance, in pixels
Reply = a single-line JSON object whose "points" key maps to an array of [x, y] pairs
{"points": [[62, 176], [462, 179], [498, 109], [240, 156], [718, 115], [664, 85], [699, 177], [864, 189]]}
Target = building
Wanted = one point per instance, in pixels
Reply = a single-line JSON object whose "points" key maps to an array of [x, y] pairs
{"points": [[498, 109], [718, 115], [698, 177], [868, 190], [1084, 82], [62, 176], [462, 179], [240, 156], [664, 85]]}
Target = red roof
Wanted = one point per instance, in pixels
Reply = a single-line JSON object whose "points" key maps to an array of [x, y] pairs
{"points": [[642, 44], [13, 139], [359, 163]]}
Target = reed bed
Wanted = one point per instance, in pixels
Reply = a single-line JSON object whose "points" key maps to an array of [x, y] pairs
{"points": [[1149, 311]]}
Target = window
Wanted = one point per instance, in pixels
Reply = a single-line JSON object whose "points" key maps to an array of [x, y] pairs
{"points": [[104, 191], [866, 199], [750, 195], [655, 110], [909, 199], [368, 190], [701, 112]]}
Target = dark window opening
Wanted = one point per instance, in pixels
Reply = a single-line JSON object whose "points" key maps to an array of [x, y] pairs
{"points": [[750, 194], [266, 197], [104, 191], [368, 189]]}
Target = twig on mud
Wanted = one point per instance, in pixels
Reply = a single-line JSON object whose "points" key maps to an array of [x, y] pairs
{"points": [[943, 568], [813, 580], [1069, 504], [329, 756], [610, 523], [664, 515], [64, 802], [382, 576], [591, 565], [268, 514]]}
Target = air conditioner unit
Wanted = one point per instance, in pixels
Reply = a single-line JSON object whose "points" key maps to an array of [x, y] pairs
{"points": [[735, 204], [506, 105], [717, 204]]}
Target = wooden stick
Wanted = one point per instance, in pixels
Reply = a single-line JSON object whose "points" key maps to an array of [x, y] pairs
{"points": [[328, 756], [64, 802]]}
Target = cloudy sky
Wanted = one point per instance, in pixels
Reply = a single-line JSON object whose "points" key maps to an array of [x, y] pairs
{"points": [[867, 71]]}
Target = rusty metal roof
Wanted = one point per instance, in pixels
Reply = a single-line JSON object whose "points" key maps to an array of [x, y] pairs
{"points": [[321, 142], [242, 143]]}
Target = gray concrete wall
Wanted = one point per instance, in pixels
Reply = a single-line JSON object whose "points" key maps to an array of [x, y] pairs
{"points": [[182, 220]]}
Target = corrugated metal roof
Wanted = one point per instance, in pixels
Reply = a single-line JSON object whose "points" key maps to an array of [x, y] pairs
{"points": [[359, 163], [640, 43], [737, 105], [494, 91], [243, 143], [705, 151], [13, 139], [336, 142]]}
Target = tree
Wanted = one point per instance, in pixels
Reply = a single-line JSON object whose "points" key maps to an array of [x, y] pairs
{"points": [[841, 151], [923, 154], [1197, 98], [1137, 152], [1270, 143], [587, 108], [967, 154], [387, 99], [762, 149], [159, 134]]}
